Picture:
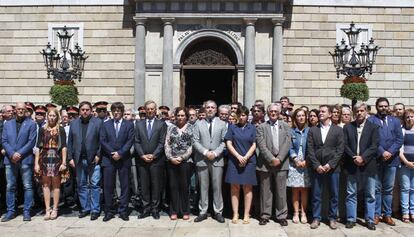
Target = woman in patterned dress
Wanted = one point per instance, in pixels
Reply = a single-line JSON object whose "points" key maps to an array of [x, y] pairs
{"points": [[298, 177], [50, 160], [178, 149]]}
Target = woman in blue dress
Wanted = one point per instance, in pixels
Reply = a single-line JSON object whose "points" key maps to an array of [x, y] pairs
{"points": [[298, 177], [241, 169]]}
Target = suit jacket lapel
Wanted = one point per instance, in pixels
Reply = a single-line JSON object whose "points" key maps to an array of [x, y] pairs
{"points": [[13, 125], [319, 134], [90, 125]]}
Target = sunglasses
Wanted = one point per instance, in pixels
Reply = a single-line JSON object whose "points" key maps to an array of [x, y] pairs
{"points": [[100, 110], [40, 113]]}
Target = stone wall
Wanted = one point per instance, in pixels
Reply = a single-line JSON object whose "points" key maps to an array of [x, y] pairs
{"points": [[310, 77], [108, 40]]}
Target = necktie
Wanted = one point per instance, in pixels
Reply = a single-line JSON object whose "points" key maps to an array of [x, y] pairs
{"points": [[210, 128], [149, 129], [116, 128], [275, 140]]}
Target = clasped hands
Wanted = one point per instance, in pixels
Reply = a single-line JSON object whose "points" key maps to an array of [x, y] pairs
{"points": [[115, 156], [210, 155], [323, 169], [176, 160], [359, 161], [148, 158], [386, 155], [16, 157], [242, 160]]}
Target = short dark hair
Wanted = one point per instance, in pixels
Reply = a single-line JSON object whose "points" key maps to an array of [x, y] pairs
{"points": [[242, 110], [330, 109], [81, 104], [178, 109], [284, 98], [381, 99], [118, 106], [261, 108], [399, 103]]}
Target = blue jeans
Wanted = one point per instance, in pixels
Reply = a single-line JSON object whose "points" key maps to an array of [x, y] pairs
{"points": [[383, 190], [26, 172], [407, 190], [317, 189], [368, 182], [88, 179]]}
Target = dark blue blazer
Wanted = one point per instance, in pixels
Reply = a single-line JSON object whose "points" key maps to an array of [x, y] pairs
{"points": [[93, 145], [391, 138], [368, 146], [22, 143], [121, 144]]}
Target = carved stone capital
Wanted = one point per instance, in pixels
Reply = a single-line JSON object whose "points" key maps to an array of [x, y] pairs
{"points": [[168, 20], [278, 21], [140, 20], [250, 21]]}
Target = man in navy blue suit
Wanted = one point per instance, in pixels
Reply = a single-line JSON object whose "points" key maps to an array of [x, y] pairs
{"points": [[117, 138], [18, 140], [391, 140]]}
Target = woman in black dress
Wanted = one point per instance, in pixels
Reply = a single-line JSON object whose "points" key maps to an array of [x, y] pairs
{"points": [[50, 160]]}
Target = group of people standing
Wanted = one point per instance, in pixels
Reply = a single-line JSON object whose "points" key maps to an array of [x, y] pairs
{"points": [[306, 150]]}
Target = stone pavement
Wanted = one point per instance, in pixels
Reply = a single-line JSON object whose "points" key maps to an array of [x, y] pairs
{"points": [[66, 226]]}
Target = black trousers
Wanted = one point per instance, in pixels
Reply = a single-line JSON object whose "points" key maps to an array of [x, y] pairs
{"points": [[179, 192], [151, 177], [124, 173]]}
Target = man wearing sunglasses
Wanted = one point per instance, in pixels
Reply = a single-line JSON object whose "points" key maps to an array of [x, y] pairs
{"points": [[101, 110]]}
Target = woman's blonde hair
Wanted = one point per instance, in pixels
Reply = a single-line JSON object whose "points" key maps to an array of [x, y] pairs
{"points": [[56, 111]]}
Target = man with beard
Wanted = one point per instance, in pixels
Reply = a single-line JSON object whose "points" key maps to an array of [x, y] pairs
{"points": [[391, 140]]}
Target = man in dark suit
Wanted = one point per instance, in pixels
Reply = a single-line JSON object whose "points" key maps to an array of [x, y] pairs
{"points": [[84, 154], [117, 138], [391, 140], [273, 140], [325, 149], [18, 139], [149, 145], [361, 139]]}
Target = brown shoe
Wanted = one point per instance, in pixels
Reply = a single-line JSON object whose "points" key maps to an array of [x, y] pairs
{"points": [[389, 221], [315, 224], [376, 220], [332, 224]]}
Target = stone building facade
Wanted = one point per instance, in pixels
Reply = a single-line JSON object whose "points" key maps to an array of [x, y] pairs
{"points": [[180, 52]]}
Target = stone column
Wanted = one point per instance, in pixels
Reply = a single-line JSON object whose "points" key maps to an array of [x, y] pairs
{"points": [[167, 63], [277, 61], [249, 63], [139, 68]]}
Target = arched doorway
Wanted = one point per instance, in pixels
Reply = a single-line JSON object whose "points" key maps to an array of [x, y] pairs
{"points": [[208, 71]]}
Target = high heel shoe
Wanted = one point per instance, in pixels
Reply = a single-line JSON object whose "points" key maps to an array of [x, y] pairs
{"points": [[295, 218], [54, 214], [235, 219], [303, 218], [47, 214], [246, 220]]}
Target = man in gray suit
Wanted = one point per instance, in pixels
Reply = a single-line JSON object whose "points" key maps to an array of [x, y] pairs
{"points": [[209, 144], [84, 154], [274, 140]]}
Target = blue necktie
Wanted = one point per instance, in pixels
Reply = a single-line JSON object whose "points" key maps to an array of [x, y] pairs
{"points": [[149, 129], [116, 128]]}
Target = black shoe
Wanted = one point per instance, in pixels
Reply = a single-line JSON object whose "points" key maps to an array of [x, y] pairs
{"points": [[219, 218], [94, 216], [143, 215], [200, 218], [156, 215], [9, 216], [83, 214], [108, 217], [349, 224], [124, 217], [283, 222], [263, 221], [26, 216], [371, 226]]}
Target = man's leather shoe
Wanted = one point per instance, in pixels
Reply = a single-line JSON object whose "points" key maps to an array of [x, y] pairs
{"points": [[389, 221], [332, 224], [156, 215], [376, 220], [371, 226], [108, 217], [143, 215], [349, 224], [315, 224], [124, 217], [200, 218], [9, 216], [283, 222], [26, 216], [94, 216], [219, 218], [263, 221], [83, 214]]}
